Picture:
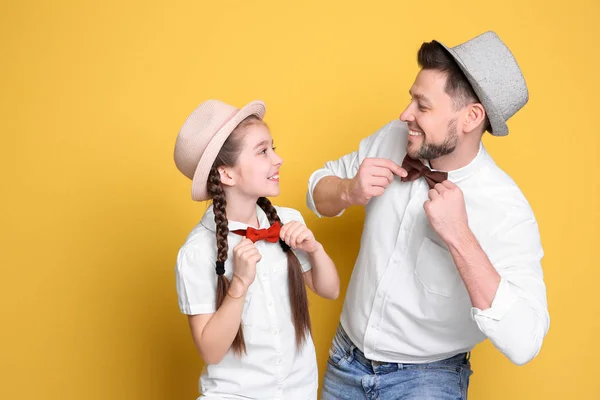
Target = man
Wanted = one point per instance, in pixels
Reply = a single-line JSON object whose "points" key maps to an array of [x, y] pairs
{"points": [[450, 251]]}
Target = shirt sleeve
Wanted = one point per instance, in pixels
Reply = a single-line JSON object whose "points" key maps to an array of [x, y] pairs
{"points": [[196, 282], [518, 319], [346, 166], [289, 214]]}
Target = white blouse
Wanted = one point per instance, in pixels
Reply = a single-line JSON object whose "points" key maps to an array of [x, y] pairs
{"points": [[272, 367]]}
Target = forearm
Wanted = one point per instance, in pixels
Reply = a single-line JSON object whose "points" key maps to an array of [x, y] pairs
{"points": [[515, 321], [217, 336], [477, 272], [331, 195], [515, 325], [325, 278]]}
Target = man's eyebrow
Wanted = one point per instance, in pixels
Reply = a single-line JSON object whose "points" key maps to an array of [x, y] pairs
{"points": [[421, 98]]}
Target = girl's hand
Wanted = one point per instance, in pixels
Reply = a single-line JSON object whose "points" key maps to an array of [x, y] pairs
{"points": [[245, 257], [297, 235]]}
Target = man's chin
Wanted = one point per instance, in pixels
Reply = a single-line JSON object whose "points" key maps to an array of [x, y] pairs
{"points": [[412, 151]]}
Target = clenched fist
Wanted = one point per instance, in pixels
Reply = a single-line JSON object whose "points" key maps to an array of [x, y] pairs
{"points": [[374, 175], [446, 211], [245, 257], [297, 235]]}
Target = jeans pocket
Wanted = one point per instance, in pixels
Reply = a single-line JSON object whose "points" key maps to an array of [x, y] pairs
{"points": [[465, 374], [334, 355], [339, 352], [338, 358]]}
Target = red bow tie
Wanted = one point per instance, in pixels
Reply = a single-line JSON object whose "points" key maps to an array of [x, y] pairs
{"points": [[270, 235], [416, 169]]}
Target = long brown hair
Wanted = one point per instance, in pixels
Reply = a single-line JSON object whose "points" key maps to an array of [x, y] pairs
{"points": [[298, 299]]}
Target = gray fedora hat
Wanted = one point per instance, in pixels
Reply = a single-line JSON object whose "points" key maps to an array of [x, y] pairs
{"points": [[495, 76]]}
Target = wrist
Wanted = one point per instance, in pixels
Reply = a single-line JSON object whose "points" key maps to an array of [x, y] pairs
{"points": [[318, 247], [237, 287], [345, 191], [460, 238]]}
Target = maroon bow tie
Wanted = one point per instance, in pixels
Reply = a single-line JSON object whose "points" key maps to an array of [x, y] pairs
{"points": [[270, 235], [416, 169]]}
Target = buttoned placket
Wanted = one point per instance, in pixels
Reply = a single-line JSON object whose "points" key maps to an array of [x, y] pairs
{"points": [[265, 281], [395, 265]]}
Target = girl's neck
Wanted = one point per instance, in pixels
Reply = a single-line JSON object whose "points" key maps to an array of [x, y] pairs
{"points": [[242, 210]]}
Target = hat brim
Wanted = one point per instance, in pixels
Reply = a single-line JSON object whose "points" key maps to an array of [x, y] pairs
{"points": [[498, 124], [199, 192]]}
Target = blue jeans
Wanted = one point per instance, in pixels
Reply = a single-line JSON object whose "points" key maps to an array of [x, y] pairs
{"points": [[350, 375]]}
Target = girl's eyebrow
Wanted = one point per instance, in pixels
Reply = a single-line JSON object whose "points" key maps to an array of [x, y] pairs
{"points": [[263, 143]]}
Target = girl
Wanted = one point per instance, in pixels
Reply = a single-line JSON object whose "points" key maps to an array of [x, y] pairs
{"points": [[242, 271]]}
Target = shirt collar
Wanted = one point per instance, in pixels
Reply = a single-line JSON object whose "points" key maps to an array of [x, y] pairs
{"points": [[458, 175], [208, 220]]}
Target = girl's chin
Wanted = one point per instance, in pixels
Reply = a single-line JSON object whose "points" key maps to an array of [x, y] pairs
{"points": [[271, 192]]}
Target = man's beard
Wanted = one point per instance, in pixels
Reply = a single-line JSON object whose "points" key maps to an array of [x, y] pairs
{"points": [[429, 151]]}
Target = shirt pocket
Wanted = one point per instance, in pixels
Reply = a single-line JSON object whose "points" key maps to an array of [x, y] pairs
{"points": [[436, 271]]}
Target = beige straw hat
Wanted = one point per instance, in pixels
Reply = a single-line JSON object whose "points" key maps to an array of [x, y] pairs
{"points": [[202, 136]]}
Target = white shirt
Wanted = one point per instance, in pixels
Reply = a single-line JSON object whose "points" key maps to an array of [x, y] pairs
{"points": [[272, 368], [406, 301]]}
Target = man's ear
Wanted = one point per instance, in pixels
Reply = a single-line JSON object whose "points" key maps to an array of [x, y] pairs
{"points": [[475, 117]]}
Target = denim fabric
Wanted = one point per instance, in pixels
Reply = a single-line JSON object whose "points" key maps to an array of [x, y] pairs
{"points": [[350, 375]]}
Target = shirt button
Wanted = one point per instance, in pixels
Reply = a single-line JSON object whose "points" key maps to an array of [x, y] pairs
{"points": [[279, 361], [270, 304], [264, 274], [275, 331]]}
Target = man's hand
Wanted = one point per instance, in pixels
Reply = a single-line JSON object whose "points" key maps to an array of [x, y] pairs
{"points": [[446, 211], [374, 175]]}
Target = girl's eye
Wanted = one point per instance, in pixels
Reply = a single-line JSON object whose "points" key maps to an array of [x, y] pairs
{"points": [[264, 151]]}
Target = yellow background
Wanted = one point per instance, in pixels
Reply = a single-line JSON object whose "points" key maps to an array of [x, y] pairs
{"points": [[93, 210]]}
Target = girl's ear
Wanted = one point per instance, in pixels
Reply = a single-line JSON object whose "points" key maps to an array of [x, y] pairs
{"points": [[227, 175]]}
